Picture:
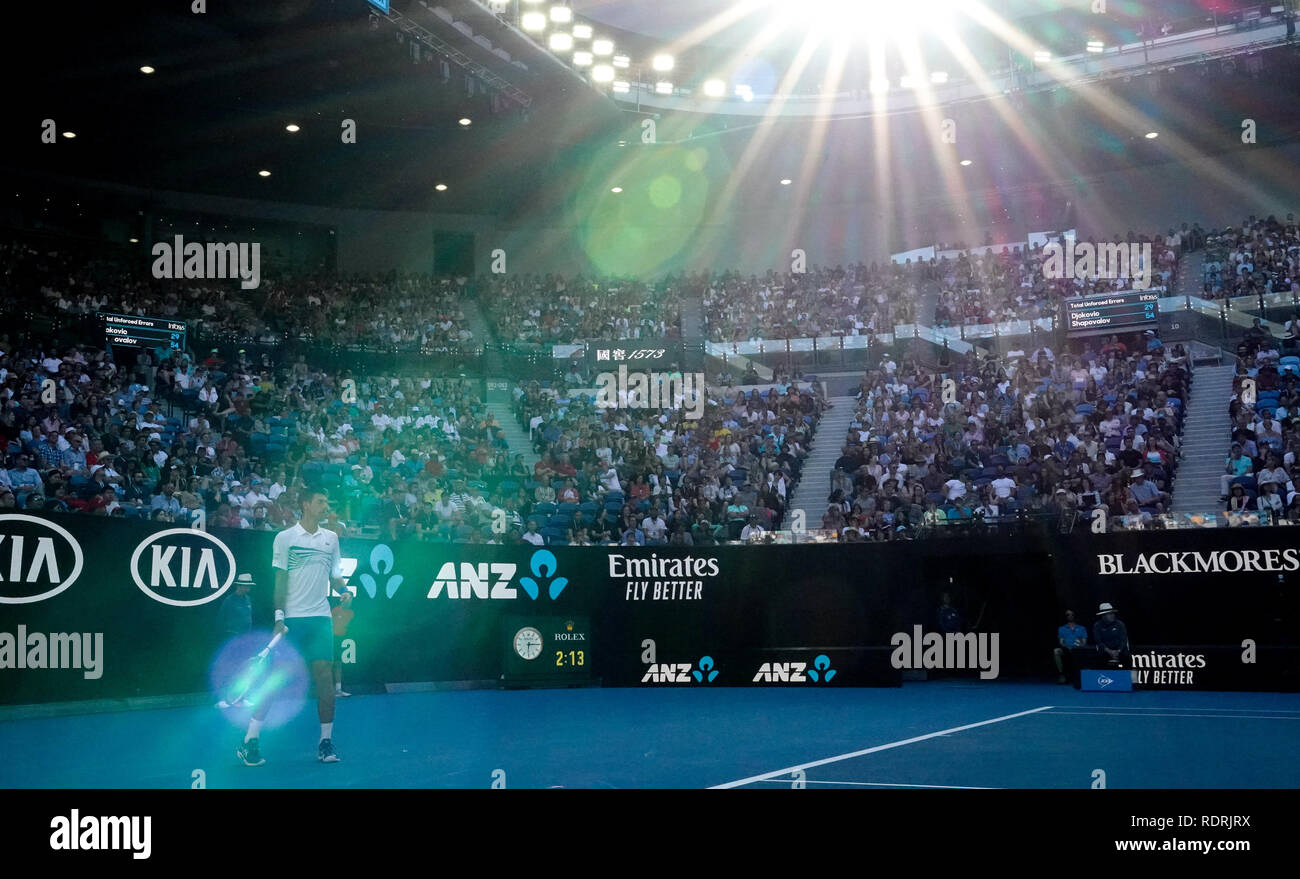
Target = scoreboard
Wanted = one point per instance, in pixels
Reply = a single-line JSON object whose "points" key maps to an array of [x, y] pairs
{"points": [[131, 331], [1127, 311]]}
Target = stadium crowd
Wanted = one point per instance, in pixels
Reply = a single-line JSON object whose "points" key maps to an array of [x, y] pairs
{"points": [[1260, 472], [1055, 433], [1256, 258], [657, 476]]}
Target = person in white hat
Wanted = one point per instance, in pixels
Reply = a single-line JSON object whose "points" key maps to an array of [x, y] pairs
{"points": [[1111, 636]]}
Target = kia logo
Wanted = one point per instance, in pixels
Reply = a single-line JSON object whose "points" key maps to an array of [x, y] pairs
{"points": [[38, 559], [183, 567]]}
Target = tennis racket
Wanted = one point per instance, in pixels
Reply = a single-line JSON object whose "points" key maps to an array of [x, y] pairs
{"points": [[249, 675]]}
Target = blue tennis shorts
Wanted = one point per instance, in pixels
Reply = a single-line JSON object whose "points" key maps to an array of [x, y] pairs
{"points": [[312, 637]]}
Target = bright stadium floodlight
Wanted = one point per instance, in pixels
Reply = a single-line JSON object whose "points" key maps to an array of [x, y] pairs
{"points": [[561, 14], [964, 162], [582, 32], [744, 92], [146, 69], [581, 59], [1096, 46], [663, 63], [622, 87], [441, 187], [1152, 135], [786, 181], [908, 82], [533, 21], [879, 86], [938, 77], [715, 88], [561, 42], [1042, 56], [602, 47], [663, 88], [602, 73], [622, 61]]}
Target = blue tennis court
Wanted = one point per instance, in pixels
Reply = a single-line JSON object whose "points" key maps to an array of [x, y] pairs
{"points": [[943, 734]]}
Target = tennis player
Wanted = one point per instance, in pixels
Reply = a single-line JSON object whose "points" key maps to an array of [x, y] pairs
{"points": [[307, 565]]}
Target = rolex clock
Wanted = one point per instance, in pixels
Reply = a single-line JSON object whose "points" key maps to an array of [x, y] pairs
{"points": [[528, 643], [545, 651]]}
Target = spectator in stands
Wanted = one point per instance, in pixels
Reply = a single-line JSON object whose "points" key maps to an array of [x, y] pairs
{"points": [[24, 481], [531, 535], [1149, 498], [1070, 637], [1269, 501], [1111, 636], [1237, 465]]}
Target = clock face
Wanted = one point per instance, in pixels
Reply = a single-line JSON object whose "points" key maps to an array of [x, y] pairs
{"points": [[528, 642]]}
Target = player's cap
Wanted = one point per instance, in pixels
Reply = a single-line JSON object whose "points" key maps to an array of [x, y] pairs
{"points": [[1136, 473], [245, 580], [1105, 608]]}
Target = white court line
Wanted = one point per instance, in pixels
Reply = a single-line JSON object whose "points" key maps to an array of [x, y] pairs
{"points": [[768, 775], [1155, 714], [880, 784]]}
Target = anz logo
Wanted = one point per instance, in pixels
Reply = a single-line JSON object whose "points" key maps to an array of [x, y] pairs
{"points": [[796, 672], [680, 672], [492, 581]]}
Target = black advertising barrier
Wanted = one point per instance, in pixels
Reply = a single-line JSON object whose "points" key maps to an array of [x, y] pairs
{"points": [[144, 605]]}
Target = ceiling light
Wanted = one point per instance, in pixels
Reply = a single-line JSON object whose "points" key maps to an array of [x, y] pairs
{"points": [[622, 87], [786, 181], [465, 121], [1096, 46], [715, 88], [663, 88], [441, 187], [616, 189], [938, 77], [662, 63], [744, 92], [292, 127], [602, 73], [263, 173], [1152, 135], [622, 61], [879, 86], [561, 42], [582, 59], [582, 31], [561, 14], [601, 47], [1042, 55], [908, 82], [134, 240], [533, 21], [965, 162], [68, 134], [146, 69]]}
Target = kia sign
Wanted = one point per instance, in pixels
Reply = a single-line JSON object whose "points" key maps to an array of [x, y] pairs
{"points": [[38, 559], [183, 567]]}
